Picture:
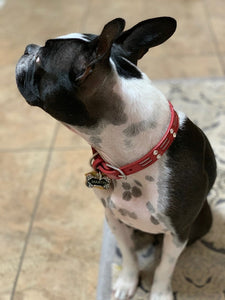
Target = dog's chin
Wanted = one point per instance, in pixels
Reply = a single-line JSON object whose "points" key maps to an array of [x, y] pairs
{"points": [[35, 102]]}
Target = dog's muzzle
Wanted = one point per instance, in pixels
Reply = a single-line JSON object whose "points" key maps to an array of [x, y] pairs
{"points": [[25, 75]]}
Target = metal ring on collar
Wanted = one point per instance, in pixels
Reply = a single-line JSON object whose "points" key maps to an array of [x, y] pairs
{"points": [[117, 169], [92, 159]]}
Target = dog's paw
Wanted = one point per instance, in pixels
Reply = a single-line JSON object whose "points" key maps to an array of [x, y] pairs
{"points": [[125, 286], [167, 295]]}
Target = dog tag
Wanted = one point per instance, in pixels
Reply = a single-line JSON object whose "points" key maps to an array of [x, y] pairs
{"points": [[97, 180]]}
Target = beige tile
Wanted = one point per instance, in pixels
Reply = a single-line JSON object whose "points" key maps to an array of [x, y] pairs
{"points": [[22, 126], [64, 249], [218, 26], [191, 37], [35, 22], [19, 183], [101, 12], [5, 296], [223, 63], [67, 138], [63, 253], [177, 8], [215, 7], [181, 67]]}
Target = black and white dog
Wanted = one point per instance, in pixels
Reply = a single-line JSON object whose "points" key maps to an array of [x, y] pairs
{"points": [[152, 167]]}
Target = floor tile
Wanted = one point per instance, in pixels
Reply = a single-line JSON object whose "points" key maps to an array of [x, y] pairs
{"points": [[218, 27], [63, 252], [190, 17], [215, 7], [106, 11], [5, 296], [173, 67], [22, 126], [19, 183], [223, 63], [190, 38], [36, 23], [66, 138], [176, 8]]}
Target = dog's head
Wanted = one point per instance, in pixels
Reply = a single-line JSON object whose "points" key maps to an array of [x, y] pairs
{"points": [[72, 77]]}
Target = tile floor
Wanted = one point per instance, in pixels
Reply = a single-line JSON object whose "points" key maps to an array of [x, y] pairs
{"points": [[50, 223]]}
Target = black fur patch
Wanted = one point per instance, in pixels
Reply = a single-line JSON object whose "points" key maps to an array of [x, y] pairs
{"points": [[193, 172], [126, 69]]}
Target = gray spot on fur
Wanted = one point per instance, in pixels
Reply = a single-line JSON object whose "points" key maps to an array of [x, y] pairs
{"points": [[95, 140], [126, 186], [103, 202], [132, 215], [149, 178], [150, 207], [154, 220], [112, 185], [110, 203], [122, 211], [125, 212], [136, 128], [137, 182], [127, 195], [128, 143], [136, 192]]}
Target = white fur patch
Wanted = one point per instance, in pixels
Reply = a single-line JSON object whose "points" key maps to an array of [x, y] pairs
{"points": [[182, 118], [79, 36]]}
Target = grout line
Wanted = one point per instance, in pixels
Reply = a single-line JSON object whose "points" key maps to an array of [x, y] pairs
{"points": [[214, 38], [36, 204]]}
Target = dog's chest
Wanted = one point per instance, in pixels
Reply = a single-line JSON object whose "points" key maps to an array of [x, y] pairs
{"points": [[137, 201]]}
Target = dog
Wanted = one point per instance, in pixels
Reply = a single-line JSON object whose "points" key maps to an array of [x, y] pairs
{"points": [[152, 167]]}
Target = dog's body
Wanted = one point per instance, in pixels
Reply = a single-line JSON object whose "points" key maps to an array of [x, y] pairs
{"points": [[92, 85]]}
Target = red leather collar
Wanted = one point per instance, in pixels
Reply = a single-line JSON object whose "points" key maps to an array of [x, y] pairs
{"points": [[153, 155]]}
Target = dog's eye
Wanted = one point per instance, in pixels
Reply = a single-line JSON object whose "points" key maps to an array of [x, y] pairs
{"points": [[80, 75], [84, 74]]}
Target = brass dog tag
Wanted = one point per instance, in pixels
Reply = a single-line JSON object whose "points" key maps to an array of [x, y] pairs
{"points": [[97, 180]]}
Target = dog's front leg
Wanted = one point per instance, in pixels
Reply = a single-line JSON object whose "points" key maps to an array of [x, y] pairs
{"points": [[171, 250], [126, 284]]}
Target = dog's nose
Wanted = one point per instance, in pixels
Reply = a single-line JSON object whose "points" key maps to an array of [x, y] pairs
{"points": [[30, 49]]}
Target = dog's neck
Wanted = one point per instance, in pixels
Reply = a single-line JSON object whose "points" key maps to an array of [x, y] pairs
{"points": [[148, 116]]}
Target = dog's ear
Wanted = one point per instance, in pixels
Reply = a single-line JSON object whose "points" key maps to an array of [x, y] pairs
{"points": [[109, 34], [102, 45], [146, 34]]}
